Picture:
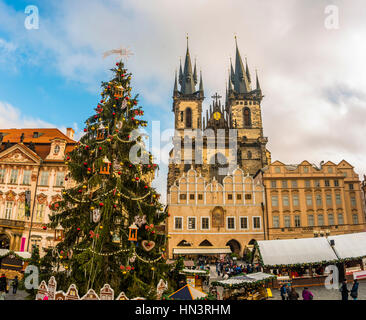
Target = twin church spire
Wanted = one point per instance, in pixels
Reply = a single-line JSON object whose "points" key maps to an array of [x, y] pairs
{"points": [[239, 79], [188, 79]]}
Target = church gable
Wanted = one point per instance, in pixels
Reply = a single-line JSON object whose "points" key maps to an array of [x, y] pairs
{"points": [[344, 165]]}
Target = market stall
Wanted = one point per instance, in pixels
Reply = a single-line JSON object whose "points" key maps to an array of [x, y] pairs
{"points": [[253, 286], [187, 293], [196, 278], [13, 263]]}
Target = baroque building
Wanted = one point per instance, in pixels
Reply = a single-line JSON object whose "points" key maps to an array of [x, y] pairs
{"points": [[305, 200], [32, 176], [213, 199]]}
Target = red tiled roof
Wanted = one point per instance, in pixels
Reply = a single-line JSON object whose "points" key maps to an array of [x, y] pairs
{"points": [[45, 135]]}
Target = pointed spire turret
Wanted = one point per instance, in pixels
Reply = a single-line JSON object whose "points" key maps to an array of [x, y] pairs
{"points": [[258, 87], [201, 85], [175, 91], [195, 72], [188, 85], [241, 84], [247, 71], [180, 72]]}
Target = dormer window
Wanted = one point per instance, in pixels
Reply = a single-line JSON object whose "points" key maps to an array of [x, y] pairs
{"points": [[35, 134], [57, 149]]}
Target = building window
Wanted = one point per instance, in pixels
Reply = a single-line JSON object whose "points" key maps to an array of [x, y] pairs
{"points": [[309, 200], [338, 199], [317, 184], [181, 116], [340, 218], [230, 223], [57, 149], [2, 175], [238, 197], [188, 118], [274, 201], [329, 199], [284, 184], [297, 221], [191, 196], [311, 220], [8, 210], [205, 223], [14, 176], [44, 178], [183, 196], [350, 186], [355, 218], [178, 223], [336, 183], [353, 201], [273, 184], [295, 200], [248, 196], [276, 221], [306, 169], [319, 200], [327, 183], [307, 184], [277, 170], [320, 220], [191, 223], [294, 183], [244, 223], [330, 219], [330, 170], [21, 211], [285, 201], [247, 120], [256, 222], [230, 196], [60, 178], [200, 196], [287, 220], [39, 212], [26, 177]]}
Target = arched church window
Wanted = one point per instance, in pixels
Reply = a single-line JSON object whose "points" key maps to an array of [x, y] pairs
{"points": [[247, 118], [188, 118]]}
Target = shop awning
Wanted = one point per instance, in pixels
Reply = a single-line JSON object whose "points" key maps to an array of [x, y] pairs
{"points": [[245, 280], [348, 246], [202, 250]]}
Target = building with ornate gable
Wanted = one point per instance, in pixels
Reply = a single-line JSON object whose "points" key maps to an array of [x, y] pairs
{"points": [[32, 175]]}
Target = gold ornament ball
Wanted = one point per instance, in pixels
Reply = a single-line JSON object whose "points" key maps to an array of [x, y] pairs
{"points": [[61, 257], [152, 268], [84, 187], [92, 208], [124, 272], [100, 227]]}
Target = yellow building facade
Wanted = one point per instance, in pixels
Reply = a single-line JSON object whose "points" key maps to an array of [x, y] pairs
{"points": [[305, 200]]}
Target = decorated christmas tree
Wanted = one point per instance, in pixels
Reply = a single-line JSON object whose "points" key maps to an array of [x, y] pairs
{"points": [[109, 213]]}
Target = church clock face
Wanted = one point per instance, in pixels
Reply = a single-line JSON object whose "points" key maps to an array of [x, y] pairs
{"points": [[217, 115]]}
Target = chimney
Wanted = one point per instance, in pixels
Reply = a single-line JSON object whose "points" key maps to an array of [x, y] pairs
{"points": [[70, 133]]}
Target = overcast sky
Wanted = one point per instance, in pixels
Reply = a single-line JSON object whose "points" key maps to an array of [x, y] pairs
{"points": [[313, 77]]}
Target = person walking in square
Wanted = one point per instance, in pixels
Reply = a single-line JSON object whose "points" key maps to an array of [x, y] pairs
{"points": [[344, 290], [354, 290], [283, 291], [307, 294], [3, 284], [293, 295], [15, 284]]}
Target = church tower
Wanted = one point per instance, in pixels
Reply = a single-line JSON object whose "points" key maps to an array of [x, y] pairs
{"points": [[187, 108], [244, 106]]}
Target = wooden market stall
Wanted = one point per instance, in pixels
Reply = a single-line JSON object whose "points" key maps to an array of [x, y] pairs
{"points": [[196, 278], [303, 262], [13, 263], [252, 286]]}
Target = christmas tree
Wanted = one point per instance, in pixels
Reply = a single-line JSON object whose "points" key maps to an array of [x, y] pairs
{"points": [[109, 213]]}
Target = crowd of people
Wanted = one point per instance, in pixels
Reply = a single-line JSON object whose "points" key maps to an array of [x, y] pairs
{"points": [[4, 286]]}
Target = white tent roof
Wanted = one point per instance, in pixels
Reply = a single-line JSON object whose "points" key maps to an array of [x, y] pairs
{"points": [[24, 255], [248, 278], [296, 251], [351, 245]]}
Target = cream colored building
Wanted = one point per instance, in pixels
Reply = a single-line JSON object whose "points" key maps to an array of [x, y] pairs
{"points": [[207, 217], [305, 200], [32, 171]]}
